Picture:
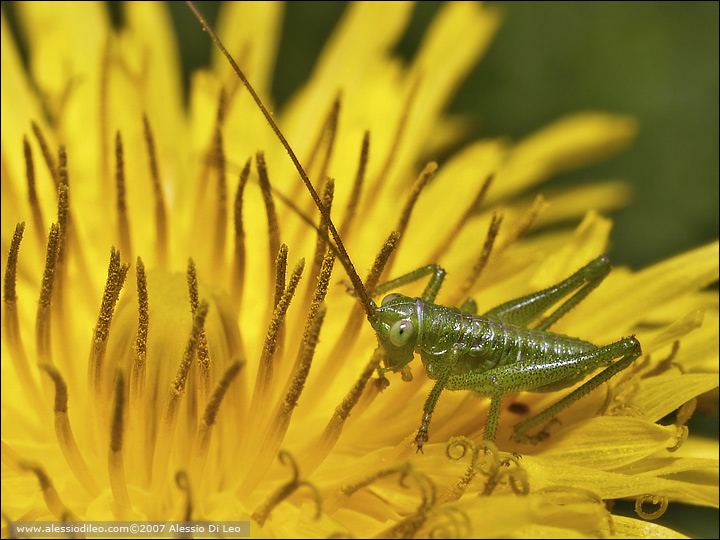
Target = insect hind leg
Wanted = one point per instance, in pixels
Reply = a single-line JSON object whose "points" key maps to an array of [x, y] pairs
{"points": [[628, 350], [522, 311]]}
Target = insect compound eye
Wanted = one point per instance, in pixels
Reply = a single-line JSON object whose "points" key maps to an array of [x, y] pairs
{"points": [[389, 298], [401, 332]]}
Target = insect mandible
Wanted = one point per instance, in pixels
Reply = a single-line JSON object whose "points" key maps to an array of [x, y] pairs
{"points": [[491, 355]]}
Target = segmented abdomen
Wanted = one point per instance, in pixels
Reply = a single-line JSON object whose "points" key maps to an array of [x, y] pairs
{"points": [[486, 343]]}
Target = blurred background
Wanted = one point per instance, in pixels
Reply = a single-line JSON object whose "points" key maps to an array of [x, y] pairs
{"points": [[656, 61]]}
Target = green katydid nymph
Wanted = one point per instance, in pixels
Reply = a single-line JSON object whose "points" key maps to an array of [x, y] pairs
{"points": [[491, 355]]}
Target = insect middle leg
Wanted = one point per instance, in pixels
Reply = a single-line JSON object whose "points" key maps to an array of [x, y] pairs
{"points": [[448, 362], [545, 376]]}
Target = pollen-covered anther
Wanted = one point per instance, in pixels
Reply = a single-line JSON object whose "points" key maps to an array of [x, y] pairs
{"points": [[302, 370], [203, 354], [42, 321], [138, 367], [113, 285], [11, 323], [205, 428]]}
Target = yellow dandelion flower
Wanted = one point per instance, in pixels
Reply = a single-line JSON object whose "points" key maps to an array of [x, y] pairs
{"points": [[213, 369]]}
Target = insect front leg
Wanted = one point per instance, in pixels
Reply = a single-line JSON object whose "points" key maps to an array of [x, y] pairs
{"points": [[431, 289], [446, 364]]}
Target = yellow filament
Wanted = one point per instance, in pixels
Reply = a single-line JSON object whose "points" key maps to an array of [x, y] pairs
{"points": [[64, 433], [36, 211], [238, 275], [123, 222], [116, 466], [50, 494], [160, 206], [47, 154]]}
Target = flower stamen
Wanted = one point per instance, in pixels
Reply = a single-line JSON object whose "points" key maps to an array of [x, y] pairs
{"points": [[42, 320], [123, 222], [47, 155], [166, 432], [453, 232], [354, 199], [203, 354], [263, 511], [278, 426], [160, 206], [50, 494], [539, 205], [204, 431], [114, 283], [138, 368], [327, 131], [481, 262], [116, 467], [64, 433], [272, 220], [321, 242], [237, 281], [334, 427], [420, 183], [351, 330], [12, 324], [35, 210], [379, 180], [183, 483], [264, 380], [219, 164], [657, 500]]}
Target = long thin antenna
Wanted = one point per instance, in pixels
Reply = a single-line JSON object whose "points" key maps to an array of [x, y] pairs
{"points": [[345, 258]]}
